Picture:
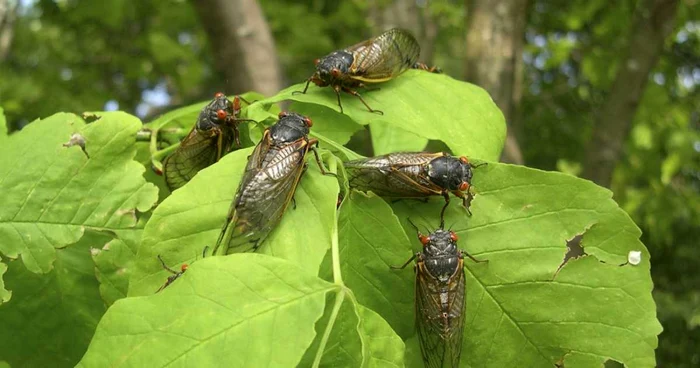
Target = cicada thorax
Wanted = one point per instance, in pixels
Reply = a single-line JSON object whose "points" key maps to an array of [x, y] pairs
{"points": [[211, 138], [268, 184]]}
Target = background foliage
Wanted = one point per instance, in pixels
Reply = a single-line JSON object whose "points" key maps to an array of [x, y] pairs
{"points": [[143, 58]]}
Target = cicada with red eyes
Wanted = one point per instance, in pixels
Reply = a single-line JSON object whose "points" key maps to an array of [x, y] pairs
{"points": [[413, 175], [214, 135], [440, 297], [268, 184], [175, 274], [378, 59]]}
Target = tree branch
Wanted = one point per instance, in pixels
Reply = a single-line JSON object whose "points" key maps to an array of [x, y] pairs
{"points": [[654, 21], [243, 47]]}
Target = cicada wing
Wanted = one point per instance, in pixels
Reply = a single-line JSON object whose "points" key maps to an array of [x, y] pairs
{"points": [[439, 328], [197, 151], [384, 57], [393, 175], [262, 200]]}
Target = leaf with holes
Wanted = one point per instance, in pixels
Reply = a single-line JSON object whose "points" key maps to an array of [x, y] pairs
{"points": [[53, 190], [519, 311]]}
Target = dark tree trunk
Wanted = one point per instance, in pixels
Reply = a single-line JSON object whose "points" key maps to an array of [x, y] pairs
{"points": [[243, 47], [653, 23], [495, 36]]}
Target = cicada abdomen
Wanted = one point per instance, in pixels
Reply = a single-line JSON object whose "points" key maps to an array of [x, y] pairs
{"points": [[440, 298], [413, 175], [375, 60], [268, 184], [213, 136]]}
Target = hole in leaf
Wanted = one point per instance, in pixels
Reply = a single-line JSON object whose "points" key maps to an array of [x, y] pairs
{"points": [[573, 250], [90, 117], [613, 364]]}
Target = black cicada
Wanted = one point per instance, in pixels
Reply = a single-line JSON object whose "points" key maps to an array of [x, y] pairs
{"points": [[175, 274], [440, 297], [268, 184], [375, 60], [413, 175], [210, 139]]}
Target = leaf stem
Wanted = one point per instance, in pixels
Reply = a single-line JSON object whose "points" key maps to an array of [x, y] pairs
{"points": [[329, 327]]}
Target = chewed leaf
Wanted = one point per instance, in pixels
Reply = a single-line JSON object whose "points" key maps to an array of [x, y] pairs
{"points": [[523, 219], [223, 309], [53, 193]]}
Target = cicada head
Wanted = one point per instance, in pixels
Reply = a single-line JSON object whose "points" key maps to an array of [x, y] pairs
{"points": [[290, 127], [333, 67], [451, 173], [215, 113], [440, 253]]}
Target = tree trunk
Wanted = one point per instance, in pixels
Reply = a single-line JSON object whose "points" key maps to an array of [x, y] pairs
{"points": [[408, 15], [495, 36], [243, 47], [8, 14], [653, 23]]}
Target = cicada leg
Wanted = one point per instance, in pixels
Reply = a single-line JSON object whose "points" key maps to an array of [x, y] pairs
{"points": [[356, 94], [466, 199], [405, 264], [305, 88], [431, 69], [313, 143], [464, 253]]}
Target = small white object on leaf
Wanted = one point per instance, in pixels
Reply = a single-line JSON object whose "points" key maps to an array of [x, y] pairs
{"points": [[634, 257]]}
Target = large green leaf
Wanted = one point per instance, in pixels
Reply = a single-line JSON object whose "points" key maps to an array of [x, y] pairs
{"points": [[429, 105], [51, 318], [243, 310], [191, 219], [390, 138], [52, 193], [518, 313]]}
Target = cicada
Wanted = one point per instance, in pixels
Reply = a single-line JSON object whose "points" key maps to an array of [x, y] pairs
{"points": [[413, 175], [378, 59], [210, 139], [175, 274], [268, 183], [440, 297]]}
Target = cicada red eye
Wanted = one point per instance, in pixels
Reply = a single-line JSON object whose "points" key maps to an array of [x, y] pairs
{"points": [[335, 72], [221, 114], [218, 95], [308, 122], [236, 103], [464, 186], [464, 160], [453, 236], [184, 267], [282, 114], [424, 239], [317, 61]]}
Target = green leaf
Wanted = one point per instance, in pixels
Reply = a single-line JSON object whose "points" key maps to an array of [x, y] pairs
{"points": [[114, 262], [370, 241], [191, 219], [53, 193], [3, 125], [433, 106], [4, 293], [51, 318], [327, 122], [389, 138], [232, 309], [359, 337], [518, 313]]}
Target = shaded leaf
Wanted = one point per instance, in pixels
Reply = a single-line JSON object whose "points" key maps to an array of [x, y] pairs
{"points": [[389, 138], [113, 264]]}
